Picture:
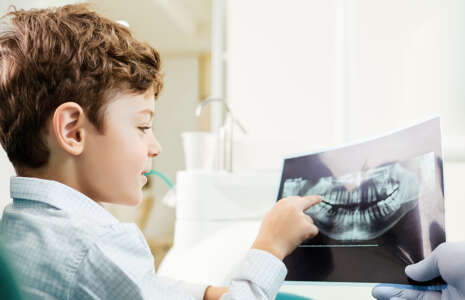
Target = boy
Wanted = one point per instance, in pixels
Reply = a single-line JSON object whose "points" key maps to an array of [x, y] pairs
{"points": [[77, 96]]}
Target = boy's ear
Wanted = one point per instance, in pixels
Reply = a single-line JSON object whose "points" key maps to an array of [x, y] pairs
{"points": [[67, 123]]}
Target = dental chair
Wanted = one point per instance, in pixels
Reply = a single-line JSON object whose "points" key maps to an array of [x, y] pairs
{"points": [[287, 296]]}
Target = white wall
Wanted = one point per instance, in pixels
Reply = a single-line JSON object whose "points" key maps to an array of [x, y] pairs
{"points": [[407, 61], [282, 75], [306, 74], [6, 171]]}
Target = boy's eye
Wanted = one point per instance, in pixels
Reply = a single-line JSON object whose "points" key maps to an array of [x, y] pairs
{"points": [[144, 128]]}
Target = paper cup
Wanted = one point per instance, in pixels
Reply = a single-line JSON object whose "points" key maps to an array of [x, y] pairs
{"points": [[199, 150]]}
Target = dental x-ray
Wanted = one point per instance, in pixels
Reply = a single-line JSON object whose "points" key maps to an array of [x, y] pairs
{"points": [[382, 208]]}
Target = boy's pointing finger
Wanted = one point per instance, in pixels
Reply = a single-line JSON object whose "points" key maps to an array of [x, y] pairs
{"points": [[308, 201]]}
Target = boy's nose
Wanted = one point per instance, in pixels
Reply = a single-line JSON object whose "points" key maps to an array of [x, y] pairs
{"points": [[154, 148]]}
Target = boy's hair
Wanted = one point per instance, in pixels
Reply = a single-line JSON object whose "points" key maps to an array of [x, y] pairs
{"points": [[55, 55]]}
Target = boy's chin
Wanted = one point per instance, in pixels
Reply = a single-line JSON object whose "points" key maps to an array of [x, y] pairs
{"points": [[132, 200]]}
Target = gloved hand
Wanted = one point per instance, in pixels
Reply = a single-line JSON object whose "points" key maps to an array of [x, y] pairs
{"points": [[447, 260]]}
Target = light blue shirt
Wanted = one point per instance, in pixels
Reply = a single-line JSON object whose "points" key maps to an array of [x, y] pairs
{"points": [[64, 245]]}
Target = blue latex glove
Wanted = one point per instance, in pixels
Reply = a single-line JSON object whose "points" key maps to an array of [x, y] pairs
{"points": [[447, 260]]}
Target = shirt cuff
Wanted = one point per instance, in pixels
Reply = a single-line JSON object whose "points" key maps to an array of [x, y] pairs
{"points": [[195, 289], [263, 269]]}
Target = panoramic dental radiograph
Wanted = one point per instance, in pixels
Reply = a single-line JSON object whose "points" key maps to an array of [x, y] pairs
{"points": [[383, 206], [364, 205]]}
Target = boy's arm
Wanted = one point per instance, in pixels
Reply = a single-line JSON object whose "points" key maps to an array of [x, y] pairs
{"points": [[197, 290], [261, 274], [259, 278]]}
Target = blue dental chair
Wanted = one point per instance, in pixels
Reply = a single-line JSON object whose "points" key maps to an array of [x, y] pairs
{"points": [[287, 296], [8, 287]]}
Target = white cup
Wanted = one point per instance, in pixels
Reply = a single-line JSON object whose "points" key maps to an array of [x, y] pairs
{"points": [[199, 150]]}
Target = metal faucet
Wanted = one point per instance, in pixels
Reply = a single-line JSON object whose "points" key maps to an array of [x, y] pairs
{"points": [[225, 140]]}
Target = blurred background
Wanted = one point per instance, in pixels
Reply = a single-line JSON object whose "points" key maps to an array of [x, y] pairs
{"points": [[300, 75]]}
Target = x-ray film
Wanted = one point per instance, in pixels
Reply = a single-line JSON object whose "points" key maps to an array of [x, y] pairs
{"points": [[382, 208]]}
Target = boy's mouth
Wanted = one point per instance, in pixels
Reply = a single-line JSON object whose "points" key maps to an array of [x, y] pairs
{"points": [[144, 176]]}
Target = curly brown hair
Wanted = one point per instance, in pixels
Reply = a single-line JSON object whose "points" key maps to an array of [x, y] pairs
{"points": [[55, 55]]}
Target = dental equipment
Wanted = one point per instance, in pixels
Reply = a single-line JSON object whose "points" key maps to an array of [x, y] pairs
{"points": [[161, 175], [170, 197]]}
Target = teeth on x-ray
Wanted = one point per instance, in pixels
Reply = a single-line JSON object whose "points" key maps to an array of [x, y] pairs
{"points": [[364, 205]]}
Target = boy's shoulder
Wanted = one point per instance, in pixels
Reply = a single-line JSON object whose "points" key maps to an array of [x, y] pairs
{"points": [[56, 208], [28, 221], [42, 227]]}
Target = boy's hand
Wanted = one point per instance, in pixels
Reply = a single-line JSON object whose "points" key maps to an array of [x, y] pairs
{"points": [[286, 226], [214, 292]]}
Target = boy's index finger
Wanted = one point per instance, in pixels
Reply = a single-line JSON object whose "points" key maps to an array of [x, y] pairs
{"points": [[308, 201]]}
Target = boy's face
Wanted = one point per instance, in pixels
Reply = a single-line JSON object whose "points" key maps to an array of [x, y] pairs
{"points": [[113, 163]]}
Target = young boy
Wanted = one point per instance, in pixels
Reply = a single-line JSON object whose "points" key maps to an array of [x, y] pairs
{"points": [[77, 96]]}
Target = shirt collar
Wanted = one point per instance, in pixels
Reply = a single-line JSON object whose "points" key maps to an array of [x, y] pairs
{"points": [[60, 196]]}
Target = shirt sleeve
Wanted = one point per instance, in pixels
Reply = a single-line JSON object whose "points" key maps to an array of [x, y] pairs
{"points": [[119, 265], [195, 289], [259, 277]]}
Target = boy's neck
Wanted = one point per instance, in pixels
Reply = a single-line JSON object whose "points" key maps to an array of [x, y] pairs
{"points": [[65, 174]]}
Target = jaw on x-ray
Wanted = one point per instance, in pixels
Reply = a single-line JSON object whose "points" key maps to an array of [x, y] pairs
{"points": [[364, 205]]}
